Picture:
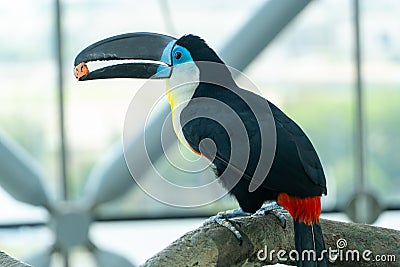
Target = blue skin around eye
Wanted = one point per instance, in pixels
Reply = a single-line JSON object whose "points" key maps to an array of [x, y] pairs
{"points": [[164, 71], [186, 57]]}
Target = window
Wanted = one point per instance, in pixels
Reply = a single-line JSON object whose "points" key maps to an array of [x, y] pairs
{"points": [[308, 71]]}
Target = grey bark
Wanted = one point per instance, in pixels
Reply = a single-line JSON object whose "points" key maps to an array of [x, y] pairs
{"points": [[213, 245], [8, 261]]}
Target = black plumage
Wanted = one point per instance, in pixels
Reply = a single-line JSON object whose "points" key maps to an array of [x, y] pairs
{"points": [[296, 169]]}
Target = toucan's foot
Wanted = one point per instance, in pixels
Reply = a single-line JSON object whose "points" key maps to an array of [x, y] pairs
{"points": [[222, 218], [274, 209]]}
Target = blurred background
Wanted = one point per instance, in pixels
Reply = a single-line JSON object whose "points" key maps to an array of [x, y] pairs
{"points": [[60, 140]]}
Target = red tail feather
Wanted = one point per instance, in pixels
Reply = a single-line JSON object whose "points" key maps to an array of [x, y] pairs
{"points": [[306, 210]]}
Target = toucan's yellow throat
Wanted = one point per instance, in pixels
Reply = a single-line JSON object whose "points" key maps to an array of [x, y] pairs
{"points": [[181, 86], [178, 98]]}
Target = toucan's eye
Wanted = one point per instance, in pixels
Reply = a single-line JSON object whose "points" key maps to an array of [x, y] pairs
{"points": [[178, 55]]}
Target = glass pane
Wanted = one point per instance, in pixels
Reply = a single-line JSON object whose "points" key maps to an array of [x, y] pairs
{"points": [[28, 113], [381, 68], [307, 72]]}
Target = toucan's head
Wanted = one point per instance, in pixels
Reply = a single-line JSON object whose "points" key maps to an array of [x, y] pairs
{"points": [[197, 48], [144, 55], [151, 55]]}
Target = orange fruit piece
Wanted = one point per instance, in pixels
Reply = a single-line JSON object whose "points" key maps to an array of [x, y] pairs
{"points": [[81, 70]]}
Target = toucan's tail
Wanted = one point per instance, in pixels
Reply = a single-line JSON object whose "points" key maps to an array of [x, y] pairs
{"points": [[307, 231], [310, 245]]}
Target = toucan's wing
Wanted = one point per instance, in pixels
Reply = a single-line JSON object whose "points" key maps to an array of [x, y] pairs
{"points": [[296, 166], [289, 136]]}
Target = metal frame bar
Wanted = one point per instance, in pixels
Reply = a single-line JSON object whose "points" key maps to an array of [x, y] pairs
{"points": [[262, 28], [60, 88]]}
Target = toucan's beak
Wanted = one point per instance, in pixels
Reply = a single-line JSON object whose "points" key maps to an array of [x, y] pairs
{"points": [[141, 55]]}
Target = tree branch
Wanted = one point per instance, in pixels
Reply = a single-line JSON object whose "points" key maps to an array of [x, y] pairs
{"points": [[8, 261], [213, 245]]}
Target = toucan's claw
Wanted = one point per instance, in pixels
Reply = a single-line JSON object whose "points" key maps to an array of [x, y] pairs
{"points": [[222, 218], [274, 209]]}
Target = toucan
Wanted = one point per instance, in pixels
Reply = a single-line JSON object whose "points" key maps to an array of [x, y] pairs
{"points": [[237, 130]]}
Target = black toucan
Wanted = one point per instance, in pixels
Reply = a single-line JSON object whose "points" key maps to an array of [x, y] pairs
{"points": [[247, 131]]}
